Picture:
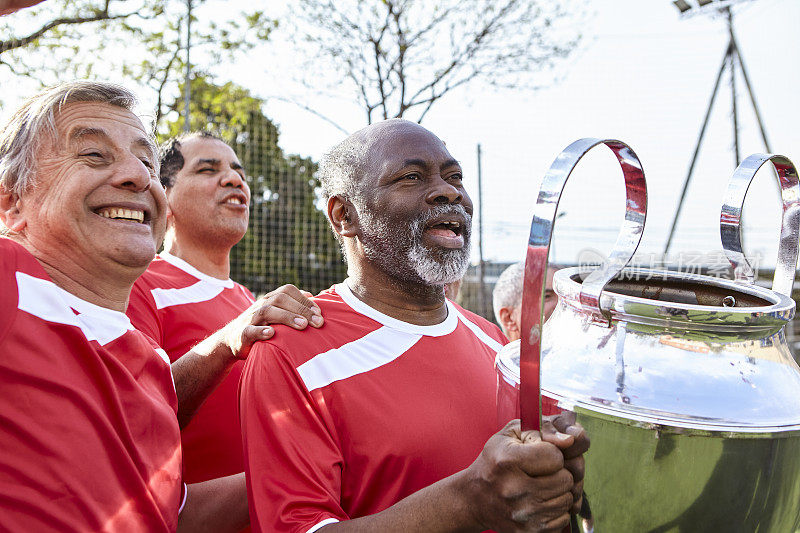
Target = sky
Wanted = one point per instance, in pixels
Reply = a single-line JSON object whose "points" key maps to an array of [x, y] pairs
{"points": [[643, 75]]}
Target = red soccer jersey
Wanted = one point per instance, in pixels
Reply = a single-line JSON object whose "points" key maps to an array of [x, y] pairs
{"points": [[346, 420], [88, 427], [178, 306]]}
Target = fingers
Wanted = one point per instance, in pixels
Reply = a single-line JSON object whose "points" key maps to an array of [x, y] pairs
{"points": [[552, 435], [577, 498], [551, 515], [554, 427], [577, 467], [286, 305], [252, 334], [513, 449], [521, 482]]}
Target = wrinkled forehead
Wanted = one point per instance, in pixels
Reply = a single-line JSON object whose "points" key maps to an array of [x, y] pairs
{"points": [[390, 146], [81, 121]]}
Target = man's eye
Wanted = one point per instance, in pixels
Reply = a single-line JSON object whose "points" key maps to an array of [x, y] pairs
{"points": [[412, 176], [147, 163], [455, 177], [91, 154], [206, 170]]}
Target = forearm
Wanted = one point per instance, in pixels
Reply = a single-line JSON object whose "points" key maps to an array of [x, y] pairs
{"points": [[198, 373], [438, 508], [218, 505]]}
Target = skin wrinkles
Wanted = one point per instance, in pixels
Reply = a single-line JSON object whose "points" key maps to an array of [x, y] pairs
{"points": [[393, 236], [104, 159], [407, 174]]}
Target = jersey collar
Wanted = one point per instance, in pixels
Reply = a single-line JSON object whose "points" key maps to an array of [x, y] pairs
{"points": [[436, 330], [189, 269]]}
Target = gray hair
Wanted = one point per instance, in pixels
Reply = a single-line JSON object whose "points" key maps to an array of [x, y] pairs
{"points": [[340, 172], [342, 168], [508, 289], [21, 136]]}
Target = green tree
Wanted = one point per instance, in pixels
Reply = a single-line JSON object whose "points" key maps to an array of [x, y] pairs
{"points": [[140, 40], [289, 239]]}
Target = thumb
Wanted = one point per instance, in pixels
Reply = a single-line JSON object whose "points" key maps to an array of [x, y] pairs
{"points": [[252, 334]]}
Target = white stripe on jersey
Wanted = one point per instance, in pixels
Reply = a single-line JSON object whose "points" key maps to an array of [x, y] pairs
{"points": [[371, 351], [482, 336], [163, 355], [202, 291], [207, 288], [46, 300], [320, 525]]}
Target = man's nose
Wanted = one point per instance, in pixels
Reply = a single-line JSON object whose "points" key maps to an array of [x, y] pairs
{"points": [[231, 178], [443, 192], [134, 173]]}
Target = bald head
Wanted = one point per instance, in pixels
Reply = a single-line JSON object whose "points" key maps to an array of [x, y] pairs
{"points": [[365, 152]]}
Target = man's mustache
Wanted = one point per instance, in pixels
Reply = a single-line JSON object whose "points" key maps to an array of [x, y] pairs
{"points": [[419, 223]]}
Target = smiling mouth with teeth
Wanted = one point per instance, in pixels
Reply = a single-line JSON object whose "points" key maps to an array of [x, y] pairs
{"points": [[119, 213], [234, 200], [447, 228]]}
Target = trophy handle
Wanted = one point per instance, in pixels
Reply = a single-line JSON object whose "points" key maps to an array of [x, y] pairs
{"points": [[539, 248], [730, 220]]}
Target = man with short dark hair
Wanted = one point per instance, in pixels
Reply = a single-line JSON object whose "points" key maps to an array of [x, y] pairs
{"points": [[186, 293], [384, 419]]}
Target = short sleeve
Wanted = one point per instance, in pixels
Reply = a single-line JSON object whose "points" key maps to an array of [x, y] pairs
{"points": [[143, 313], [292, 458], [8, 286]]}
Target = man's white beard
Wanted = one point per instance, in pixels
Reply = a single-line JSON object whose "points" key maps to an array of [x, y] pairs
{"points": [[401, 252]]}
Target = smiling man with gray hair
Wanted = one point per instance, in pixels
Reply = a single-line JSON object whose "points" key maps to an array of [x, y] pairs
{"points": [[89, 434], [384, 418]]}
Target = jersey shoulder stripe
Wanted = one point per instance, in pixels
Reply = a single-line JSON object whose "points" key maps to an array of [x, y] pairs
{"points": [[44, 299], [204, 289], [380, 346], [199, 292], [482, 336], [371, 351]]}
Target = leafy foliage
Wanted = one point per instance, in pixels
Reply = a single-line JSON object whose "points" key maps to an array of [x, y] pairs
{"points": [[289, 239], [127, 39]]}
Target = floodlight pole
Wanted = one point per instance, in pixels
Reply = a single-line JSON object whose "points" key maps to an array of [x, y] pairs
{"points": [[481, 273], [187, 90], [732, 55], [696, 152]]}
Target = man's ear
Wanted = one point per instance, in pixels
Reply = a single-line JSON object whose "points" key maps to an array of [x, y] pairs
{"points": [[167, 193], [507, 322], [10, 211], [343, 216]]}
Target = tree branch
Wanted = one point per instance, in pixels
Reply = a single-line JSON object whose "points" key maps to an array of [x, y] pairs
{"points": [[467, 52], [312, 111], [163, 83], [99, 15]]}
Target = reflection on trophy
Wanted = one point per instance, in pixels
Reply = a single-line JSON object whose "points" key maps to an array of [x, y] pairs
{"points": [[684, 382]]}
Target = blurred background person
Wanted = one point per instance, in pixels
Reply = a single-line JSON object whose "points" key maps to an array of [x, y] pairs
{"points": [[507, 298]]}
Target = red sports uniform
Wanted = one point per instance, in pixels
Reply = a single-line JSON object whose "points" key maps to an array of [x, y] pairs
{"points": [[346, 420], [178, 306], [89, 439]]}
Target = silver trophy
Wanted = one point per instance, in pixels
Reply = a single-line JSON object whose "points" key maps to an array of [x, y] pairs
{"points": [[684, 382]]}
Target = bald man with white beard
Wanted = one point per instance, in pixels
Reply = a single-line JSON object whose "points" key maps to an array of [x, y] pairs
{"points": [[384, 418]]}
